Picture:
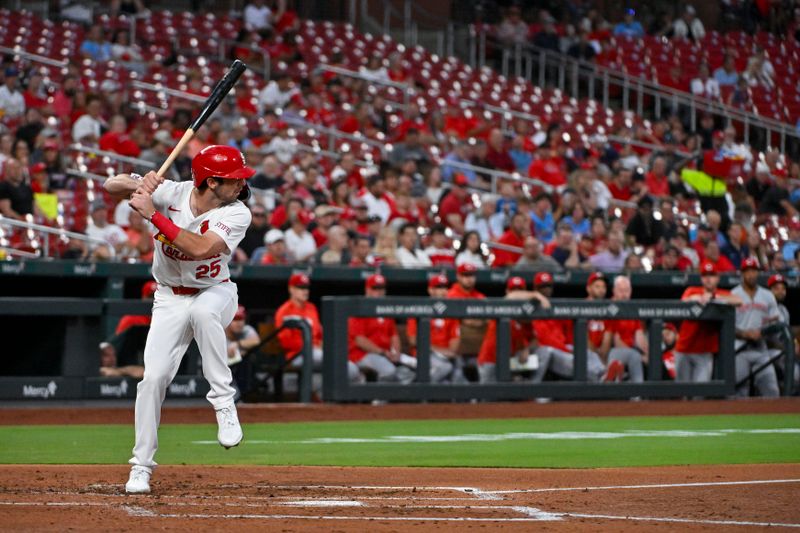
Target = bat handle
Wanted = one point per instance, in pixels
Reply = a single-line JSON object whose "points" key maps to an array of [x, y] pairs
{"points": [[187, 136]]}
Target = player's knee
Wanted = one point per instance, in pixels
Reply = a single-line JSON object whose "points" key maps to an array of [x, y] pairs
{"points": [[204, 314]]}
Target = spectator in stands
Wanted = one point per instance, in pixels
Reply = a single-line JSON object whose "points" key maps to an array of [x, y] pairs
{"points": [[518, 230], [470, 251], [375, 343], [731, 149], [409, 148], [86, 130], [740, 96], [512, 30], [726, 74], [542, 217], [578, 221], [533, 258], [628, 339], [277, 93], [336, 251], [140, 242], [583, 48], [16, 194], [704, 85], [456, 205], [374, 70], [35, 93], [547, 37], [254, 236], [117, 140], [361, 251], [95, 46], [713, 255], [485, 220], [644, 229], [126, 53], [408, 253], [792, 244], [672, 260], [385, 249], [257, 16], [497, 154], [612, 259], [564, 249], [157, 154], [759, 309], [629, 27], [440, 250], [776, 200], [12, 102], [299, 242], [735, 247], [689, 26], [101, 230], [376, 199], [461, 153], [276, 253], [270, 177], [127, 343]]}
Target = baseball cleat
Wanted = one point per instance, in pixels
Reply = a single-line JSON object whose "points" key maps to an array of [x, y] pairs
{"points": [[139, 482], [230, 432]]}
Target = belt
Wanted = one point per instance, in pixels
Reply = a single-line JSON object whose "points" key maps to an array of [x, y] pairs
{"points": [[190, 291]]}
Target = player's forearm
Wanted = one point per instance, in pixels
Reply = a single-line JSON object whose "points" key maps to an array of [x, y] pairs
{"points": [[367, 345], [121, 185], [196, 246]]}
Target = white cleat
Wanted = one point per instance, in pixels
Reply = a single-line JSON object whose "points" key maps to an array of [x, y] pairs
{"points": [[139, 482], [230, 432]]}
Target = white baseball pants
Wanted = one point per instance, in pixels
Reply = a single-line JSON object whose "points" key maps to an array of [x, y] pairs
{"points": [[176, 320]]}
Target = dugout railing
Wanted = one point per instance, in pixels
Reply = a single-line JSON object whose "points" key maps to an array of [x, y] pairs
{"points": [[337, 310]]}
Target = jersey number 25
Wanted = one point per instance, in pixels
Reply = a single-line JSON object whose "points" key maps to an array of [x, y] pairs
{"points": [[208, 271]]}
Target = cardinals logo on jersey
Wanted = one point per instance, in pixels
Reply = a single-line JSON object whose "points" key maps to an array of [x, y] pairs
{"points": [[204, 227]]}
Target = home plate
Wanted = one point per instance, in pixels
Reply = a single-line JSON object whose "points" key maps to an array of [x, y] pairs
{"points": [[324, 503]]}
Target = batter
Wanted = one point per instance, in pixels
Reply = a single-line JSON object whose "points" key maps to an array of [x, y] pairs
{"points": [[200, 223]]}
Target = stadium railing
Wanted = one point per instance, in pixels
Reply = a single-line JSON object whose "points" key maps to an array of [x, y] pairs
{"points": [[337, 310]]}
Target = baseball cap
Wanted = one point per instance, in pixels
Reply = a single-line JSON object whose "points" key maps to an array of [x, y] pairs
{"points": [[438, 281], [98, 204], [11, 72], [299, 280], [466, 269], [542, 278], [595, 276], [775, 279], [515, 283], [460, 180], [38, 167], [149, 289], [376, 281], [707, 267], [670, 326], [273, 236], [323, 210], [241, 313], [750, 262]]}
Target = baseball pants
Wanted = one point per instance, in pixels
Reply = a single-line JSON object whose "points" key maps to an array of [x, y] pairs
{"points": [[766, 381], [353, 373], [385, 369], [563, 364], [176, 320], [632, 359], [693, 367]]}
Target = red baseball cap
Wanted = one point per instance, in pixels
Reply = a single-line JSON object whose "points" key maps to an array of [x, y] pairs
{"points": [[670, 326], [438, 281], [775, 279], [750, 262], [707, 267], [376, 281], [515, 283], [241, 313], [38, 167], [719, 134], [466, 269], [149, 289], [594, 276], [460, 180], [542, 278], [299, 280]]}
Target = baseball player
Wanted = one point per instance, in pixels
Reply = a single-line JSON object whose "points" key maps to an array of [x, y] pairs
{"points": [[777, 284], [759, 309], [698, 340], [628, 339], [556, 336], [199, 223], [374, 344], [445, 335]]}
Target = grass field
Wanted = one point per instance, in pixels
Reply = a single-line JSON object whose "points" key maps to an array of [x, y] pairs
{"points": [[553, 443]]}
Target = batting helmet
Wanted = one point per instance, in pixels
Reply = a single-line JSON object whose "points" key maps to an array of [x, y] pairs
{"points": [[220, 161]]}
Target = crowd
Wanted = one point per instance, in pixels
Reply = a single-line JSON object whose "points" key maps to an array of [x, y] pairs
{"points": [[602, 205]]}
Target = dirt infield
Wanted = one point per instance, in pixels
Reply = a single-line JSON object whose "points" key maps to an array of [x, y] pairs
{"points": [[206, 498], [91, 498], [252, 413]]}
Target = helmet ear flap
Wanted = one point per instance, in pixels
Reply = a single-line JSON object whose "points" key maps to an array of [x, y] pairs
{"points": [[244, 194]]}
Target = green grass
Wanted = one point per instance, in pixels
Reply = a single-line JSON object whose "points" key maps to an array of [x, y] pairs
{"points": [[92, 444]]}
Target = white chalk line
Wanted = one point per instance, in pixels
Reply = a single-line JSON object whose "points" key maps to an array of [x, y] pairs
{"points": [[654, 486], [681, 520]]}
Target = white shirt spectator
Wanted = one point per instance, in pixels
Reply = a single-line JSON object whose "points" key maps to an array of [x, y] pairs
{"points": [[283, 149], [417, 258], [707, 89], [121, 214], [301, 247], [110, 233], [377, 206], [470, 258], [379, 74], [86, 126], [680, 29], [601, 193], [11, 102], [273, 97], [489, 229], [257, 17]]}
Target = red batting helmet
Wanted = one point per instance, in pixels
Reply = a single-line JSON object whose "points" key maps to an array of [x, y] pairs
{"points": [[220, 161]]}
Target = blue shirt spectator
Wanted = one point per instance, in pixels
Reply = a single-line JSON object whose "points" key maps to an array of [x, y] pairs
{"points": [[95, 46], [629, 27], [458, 155], [726, 74]]}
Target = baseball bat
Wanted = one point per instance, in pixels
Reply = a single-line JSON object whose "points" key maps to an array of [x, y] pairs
{"points": [[222, 88]]}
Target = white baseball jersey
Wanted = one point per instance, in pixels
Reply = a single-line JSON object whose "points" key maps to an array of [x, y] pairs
{"points": [[174, 268], [755, 312]]}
